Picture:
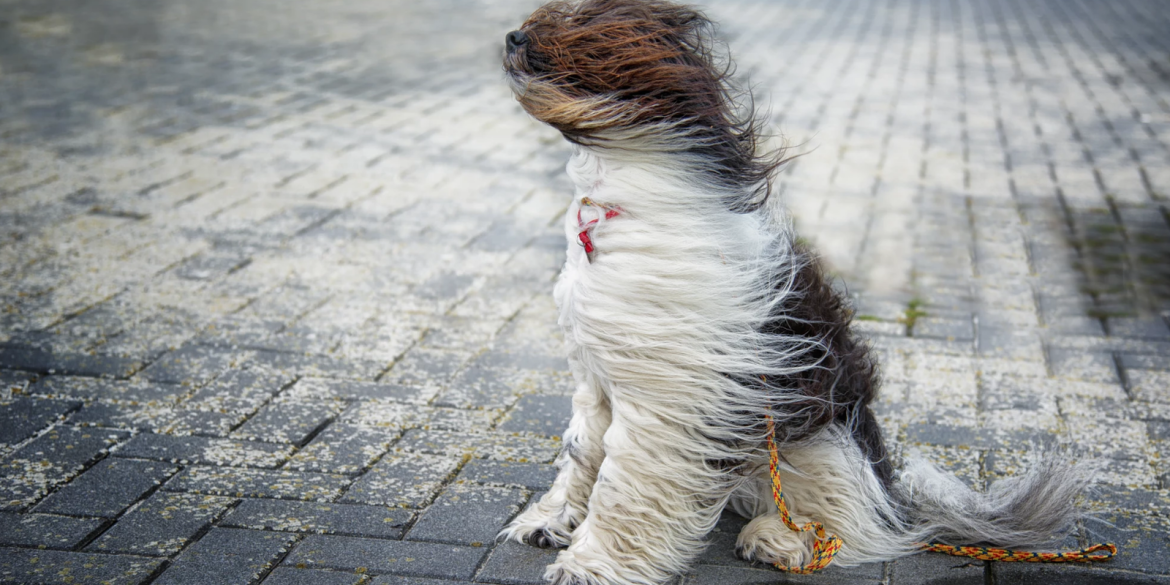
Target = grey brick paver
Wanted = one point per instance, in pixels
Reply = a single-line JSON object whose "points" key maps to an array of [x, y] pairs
{"points": [[420, 559], [162, 525], [468, 514], [204, 450], [259, 483], [402, 479], [294, 576], [45, 530], [107, 488], [246, 260], [25, 416], [226, 555], [54, 457], [66, 568], [346, 519], [343, 448]]}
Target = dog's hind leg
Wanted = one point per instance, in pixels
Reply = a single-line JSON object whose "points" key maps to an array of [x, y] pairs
{"points": [[654, 501], [549, 522], [829, 481]]}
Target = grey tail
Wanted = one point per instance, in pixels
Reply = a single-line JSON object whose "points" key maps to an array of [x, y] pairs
{"points": [[1034, 509]]}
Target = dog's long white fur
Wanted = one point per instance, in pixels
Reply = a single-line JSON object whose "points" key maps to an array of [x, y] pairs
{"points": [[673, 303]]}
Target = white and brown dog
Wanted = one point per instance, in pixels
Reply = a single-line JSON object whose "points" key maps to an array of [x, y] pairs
{"points": [[692, 313]]}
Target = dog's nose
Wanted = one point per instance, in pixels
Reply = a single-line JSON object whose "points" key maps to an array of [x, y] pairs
{"points": [[515, 39]]}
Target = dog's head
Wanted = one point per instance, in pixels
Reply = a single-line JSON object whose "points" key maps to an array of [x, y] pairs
{"points": [[640, 74]]}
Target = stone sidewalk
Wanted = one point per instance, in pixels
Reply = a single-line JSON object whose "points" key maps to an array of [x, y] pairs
{"points": [[275, 275]]}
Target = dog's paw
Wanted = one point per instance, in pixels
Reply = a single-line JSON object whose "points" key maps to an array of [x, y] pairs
{"points": [[567, 571], [767, 540], [536, 527]]}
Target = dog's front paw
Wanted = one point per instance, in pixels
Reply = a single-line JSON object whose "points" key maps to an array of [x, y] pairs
{"points": [[768, 540], [537, 527], [567, 571]]}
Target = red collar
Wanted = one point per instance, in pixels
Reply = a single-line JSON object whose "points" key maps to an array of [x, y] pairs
{"points": [[610, 213]]}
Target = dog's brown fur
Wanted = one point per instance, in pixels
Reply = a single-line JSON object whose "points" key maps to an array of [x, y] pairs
{"points": [[603, 69]]}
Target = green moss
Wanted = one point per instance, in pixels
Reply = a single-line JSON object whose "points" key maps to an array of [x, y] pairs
{"points": [[912, 313]]}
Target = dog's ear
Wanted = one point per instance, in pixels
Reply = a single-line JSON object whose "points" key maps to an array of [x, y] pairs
{"points": [[618, 64], [646, 75]]}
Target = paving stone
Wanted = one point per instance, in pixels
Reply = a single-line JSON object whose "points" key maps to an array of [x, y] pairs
{"points": [[204, 450], [323, 389], [66, 568], [190, 365], [483, 387], [125, 416], [962, 436], [426, 368], [14, 383], [535, 476], [227, 555], [343, 448], [185, 421], [1002, 342], [44, 530], [498, 446], [130, 392], [468, 514], [870, 574], [721, 542], [541, 415], [259, 483], [403, 480], [293, 576], [1149, 385], [389, 416], [161, 525], [75, 364], [953, 329], [239, 391], [54, 457], [1042, 574], [1140, 540], [321, 365], [400, 580], [930, 568], [286, 422], [1094, 367], [25, 416], [1142, 361], [513, 563], [345, 519], [421, 559], [1152, 327], [107, 488]]}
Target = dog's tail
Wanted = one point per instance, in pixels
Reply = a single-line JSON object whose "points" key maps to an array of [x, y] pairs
{"points": [[1030, 510], [878, 521]]}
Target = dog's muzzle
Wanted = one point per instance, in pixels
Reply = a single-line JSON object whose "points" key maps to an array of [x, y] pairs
{"points": [[515, 40]]}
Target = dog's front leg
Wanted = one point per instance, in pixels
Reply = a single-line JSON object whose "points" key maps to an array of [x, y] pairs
{"points": [[652, 504], [549, 522]]}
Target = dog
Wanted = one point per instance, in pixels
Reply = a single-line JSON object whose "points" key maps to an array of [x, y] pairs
{"points": [[693, 315]]}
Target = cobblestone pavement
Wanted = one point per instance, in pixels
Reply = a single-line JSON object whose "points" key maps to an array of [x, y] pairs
{"points": [[276, 275]]}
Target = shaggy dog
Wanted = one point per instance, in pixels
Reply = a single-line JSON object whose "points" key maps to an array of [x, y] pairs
{"points": [[692, 313]]}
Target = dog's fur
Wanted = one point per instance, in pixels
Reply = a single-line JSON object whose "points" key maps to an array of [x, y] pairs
{"points": [[697, 316]]}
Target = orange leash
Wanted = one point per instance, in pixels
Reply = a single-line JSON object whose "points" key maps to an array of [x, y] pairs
{"points": [[826, 547]]}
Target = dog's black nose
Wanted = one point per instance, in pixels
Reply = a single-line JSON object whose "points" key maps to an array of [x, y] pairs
{"points": [[516, 38]]}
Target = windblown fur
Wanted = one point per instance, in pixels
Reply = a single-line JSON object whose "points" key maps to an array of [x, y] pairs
{"points": [[698, 315]]}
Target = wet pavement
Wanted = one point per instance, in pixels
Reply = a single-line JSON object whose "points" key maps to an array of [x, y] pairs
{"points": [[275, 276]]}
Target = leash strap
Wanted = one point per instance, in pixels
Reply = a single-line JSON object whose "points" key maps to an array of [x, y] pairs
{"points": [[826, 547], [1104, 551]]}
